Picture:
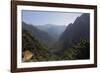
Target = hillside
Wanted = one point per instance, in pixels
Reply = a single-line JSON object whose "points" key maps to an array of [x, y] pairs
{"points": [[29, 43], [73, 34]]}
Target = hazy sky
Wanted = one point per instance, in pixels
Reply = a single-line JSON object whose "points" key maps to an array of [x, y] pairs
{"points": [[43, 17]]}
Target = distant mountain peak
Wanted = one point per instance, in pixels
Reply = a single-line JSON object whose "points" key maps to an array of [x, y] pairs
{"points": [[49, 24]]}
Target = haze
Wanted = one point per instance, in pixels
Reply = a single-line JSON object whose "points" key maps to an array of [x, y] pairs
{"points": [[44, 17]]}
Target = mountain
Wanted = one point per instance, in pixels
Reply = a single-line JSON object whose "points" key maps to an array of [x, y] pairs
{"points": [[73, 33], [73, 43], [31, 46], [53, 30], [43, 37]]}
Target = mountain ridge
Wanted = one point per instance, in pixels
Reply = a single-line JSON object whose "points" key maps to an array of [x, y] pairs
{"points": [[42, 36]]}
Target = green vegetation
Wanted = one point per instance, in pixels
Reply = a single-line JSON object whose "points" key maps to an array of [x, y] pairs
{"points": [[78, 51], [30, 43]]}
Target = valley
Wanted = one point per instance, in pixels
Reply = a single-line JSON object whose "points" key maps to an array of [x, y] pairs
{"points": [[57, 42]]}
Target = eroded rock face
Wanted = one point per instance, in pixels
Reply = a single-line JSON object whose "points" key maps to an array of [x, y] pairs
{"points": [[27, 56]]}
